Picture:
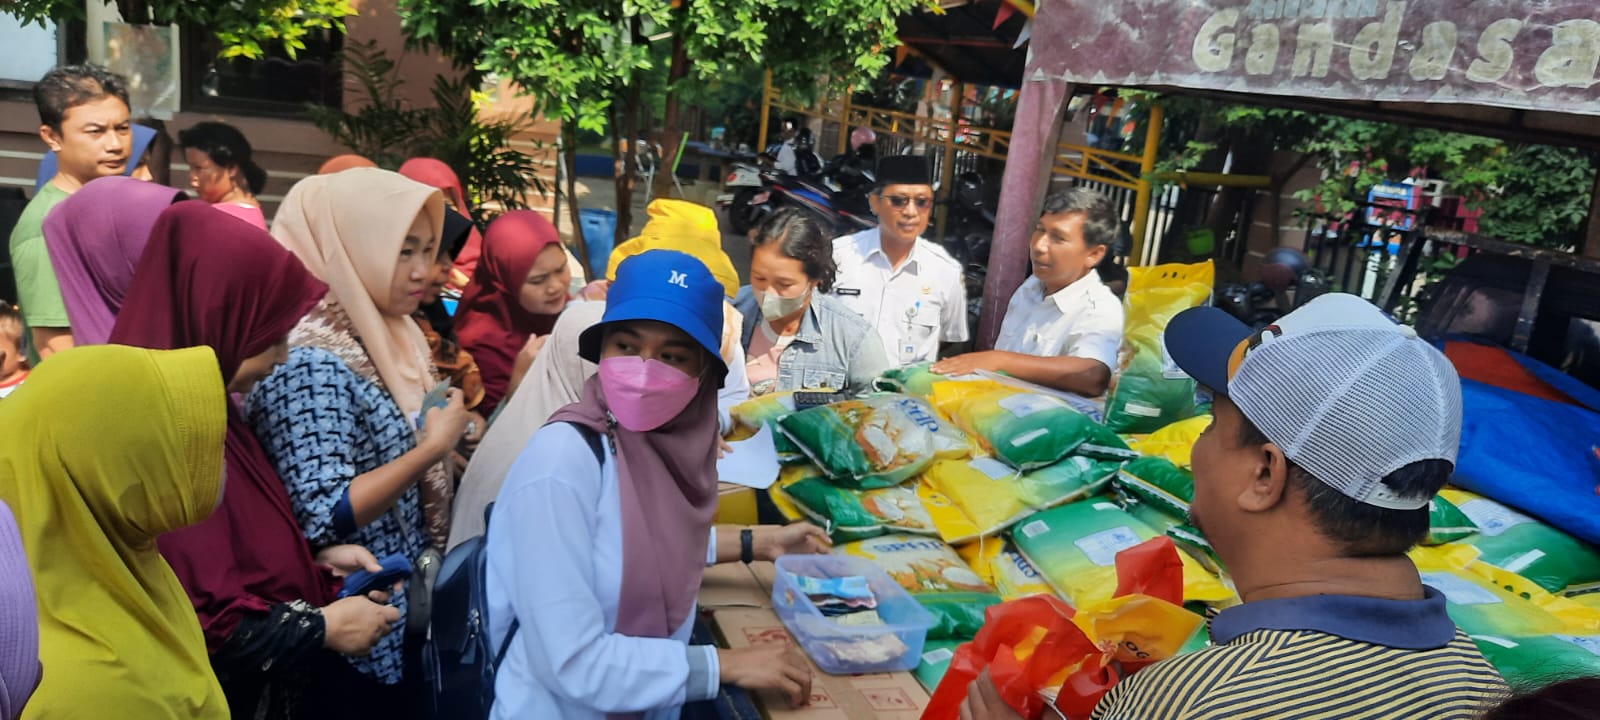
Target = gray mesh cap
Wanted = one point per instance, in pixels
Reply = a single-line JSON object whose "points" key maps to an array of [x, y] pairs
{"points": [[1348, 394]]}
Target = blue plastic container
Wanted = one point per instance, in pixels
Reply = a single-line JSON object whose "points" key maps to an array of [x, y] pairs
{"points": [[599, 233], [894, 646]]}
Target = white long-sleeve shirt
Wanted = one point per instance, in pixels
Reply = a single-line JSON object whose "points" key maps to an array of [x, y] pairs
{"points": [[555, 563]]}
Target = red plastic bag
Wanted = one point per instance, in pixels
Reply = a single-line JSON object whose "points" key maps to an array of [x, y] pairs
{"points": [[1035, 645]]}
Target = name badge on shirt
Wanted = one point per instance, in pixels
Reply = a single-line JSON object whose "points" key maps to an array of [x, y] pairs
{"points": [[847, 292]]}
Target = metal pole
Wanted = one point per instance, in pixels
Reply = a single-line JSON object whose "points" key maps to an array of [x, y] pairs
{"points": [[947, 175], [1147, 166], [766, 111], [844, 121]]}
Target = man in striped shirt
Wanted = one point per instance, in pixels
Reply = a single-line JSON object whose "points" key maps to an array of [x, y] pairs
{"points": [[1333, 429]]}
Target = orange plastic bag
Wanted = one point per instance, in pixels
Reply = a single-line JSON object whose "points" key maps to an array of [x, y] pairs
{"points": [[1036, 647]]}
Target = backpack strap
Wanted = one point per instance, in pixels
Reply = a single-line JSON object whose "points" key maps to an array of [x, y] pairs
{"points": [[593, 439]]}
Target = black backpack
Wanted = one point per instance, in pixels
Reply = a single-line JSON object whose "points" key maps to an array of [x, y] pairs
{"points": [[456, 659]]}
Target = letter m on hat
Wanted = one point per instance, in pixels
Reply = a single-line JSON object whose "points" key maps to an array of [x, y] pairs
{"points": [[679, 279]]}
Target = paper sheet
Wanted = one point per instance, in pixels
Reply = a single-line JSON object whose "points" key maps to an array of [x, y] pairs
{"points": [[752, 463]]}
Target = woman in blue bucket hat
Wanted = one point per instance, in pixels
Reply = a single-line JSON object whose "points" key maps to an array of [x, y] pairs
{"points": [[594, 567]]}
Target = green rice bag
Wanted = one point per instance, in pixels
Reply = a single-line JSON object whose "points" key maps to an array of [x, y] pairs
{"points": [[936, 576], [1158, 482], [1446, 523], [1074, 478], [1025, 429], [915, 380], [1150, 392], [936, 657], [1075, 547], [875, 442], [1528, 663], [1189, 539], [1512, 541], [857, 514]]}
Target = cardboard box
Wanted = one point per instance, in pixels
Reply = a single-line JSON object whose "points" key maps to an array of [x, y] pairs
{"points": [[731, 585], [736, 505], [886, 696]]}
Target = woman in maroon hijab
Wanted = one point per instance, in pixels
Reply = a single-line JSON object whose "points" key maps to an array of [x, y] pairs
{"points": [[265, 602], [520, 288]]}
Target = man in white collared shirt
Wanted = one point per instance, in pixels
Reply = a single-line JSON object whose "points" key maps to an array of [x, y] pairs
{"points": [[1063, 328], [909, 288]]}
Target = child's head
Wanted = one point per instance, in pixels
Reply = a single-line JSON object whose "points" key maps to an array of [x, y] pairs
{"points": [[12, 358]]}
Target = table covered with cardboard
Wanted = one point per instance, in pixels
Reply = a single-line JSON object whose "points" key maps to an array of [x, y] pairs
{"points": [[737, 599]]}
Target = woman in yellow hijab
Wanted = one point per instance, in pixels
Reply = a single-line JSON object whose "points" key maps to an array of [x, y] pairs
{"points": [[105, 449]]}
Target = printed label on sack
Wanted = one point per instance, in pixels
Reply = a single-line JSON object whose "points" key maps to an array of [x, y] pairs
{"points": [[1142, 410], [1023, 404], [1587, 642], [1521, 562], [1102, 547], [940, 655], [1029, 437], [1491, 517], [1035, 529], [1169, 367], [1459, 591], [995, 469]]}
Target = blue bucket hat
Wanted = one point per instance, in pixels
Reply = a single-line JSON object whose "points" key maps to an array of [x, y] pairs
{"points": [[664, 286]]}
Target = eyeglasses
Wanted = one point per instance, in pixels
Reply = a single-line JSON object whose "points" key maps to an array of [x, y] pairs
{"points": [[899, 201]]}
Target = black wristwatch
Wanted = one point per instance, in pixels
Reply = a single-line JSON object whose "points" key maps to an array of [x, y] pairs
{"points": [[747, 546]]}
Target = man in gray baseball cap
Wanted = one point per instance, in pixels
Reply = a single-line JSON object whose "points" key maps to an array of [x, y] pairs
{"points": [[1333, 430]]}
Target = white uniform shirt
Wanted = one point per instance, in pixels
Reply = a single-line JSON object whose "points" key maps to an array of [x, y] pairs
{"points": [[915, 307], [1083, 320], [555, 563]]}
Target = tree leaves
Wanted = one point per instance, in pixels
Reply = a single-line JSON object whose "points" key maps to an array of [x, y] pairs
{"points": [[245, 27]]}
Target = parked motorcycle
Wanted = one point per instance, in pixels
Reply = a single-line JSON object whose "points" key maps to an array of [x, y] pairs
{"points": [[969, 233], [1288, 280]]}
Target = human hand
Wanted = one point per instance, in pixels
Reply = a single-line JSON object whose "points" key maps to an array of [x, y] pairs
{"points": [[344, 560], [983, 702], [968, 363], [595, 291], [723, 448], [477, 427], [775, 541], [355, 624], [445, 426], [778, 667]]}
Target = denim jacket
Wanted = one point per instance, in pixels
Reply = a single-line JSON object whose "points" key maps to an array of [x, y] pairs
{"points": [[835, 348]]}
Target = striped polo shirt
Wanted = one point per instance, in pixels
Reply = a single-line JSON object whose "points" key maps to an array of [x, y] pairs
{"points": [[1323, 656]]}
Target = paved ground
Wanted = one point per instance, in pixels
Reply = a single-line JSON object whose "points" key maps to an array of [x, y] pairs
{"points": [[600, 193]]}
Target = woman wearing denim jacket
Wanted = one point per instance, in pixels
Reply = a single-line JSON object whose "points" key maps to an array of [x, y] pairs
{"points": [[795, 336]]}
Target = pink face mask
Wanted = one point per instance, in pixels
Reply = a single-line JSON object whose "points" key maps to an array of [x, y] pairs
{"points": [[644, 394]]}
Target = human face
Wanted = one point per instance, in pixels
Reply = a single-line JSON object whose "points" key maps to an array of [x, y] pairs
{"points": [[95, 140], [903, 211], [1223, 468], [773, 272], [256, 368], [653, 340], [544, 291], [436, 282], [10, 354], [1060, 255], [209, 180], [413, 268]]}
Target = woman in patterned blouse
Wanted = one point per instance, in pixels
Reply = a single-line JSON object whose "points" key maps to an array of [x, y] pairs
{"points": [[342, 419]]}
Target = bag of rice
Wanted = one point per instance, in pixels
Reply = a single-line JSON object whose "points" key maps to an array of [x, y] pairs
{"points": [[1507, 539], [1155, 480], [1027, 430], [1477, 604], [856, 514], [999, 564], [875, 442], [1075, 547], [750, 415], [952, 523], [1150, 392], [1174, 442], [1189, 539], [915, 380], [936, 657], [1446, 522], [994, 496], [1532, 662], [937, 576]]}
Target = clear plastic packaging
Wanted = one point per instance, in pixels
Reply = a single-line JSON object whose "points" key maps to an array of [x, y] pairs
{"points": [[893, 646]]}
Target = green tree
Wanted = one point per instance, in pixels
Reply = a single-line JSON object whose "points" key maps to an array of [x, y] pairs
{"points": [[586, 58], [244, 27]]}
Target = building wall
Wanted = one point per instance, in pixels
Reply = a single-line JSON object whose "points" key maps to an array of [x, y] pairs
{"points": [[289, 149]]}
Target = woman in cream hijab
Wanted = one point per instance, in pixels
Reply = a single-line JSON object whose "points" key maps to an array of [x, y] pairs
{"points": [[342, 419], [96, 464]]}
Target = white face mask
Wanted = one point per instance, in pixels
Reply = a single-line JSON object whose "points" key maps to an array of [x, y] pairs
{"points": [[774, 307]]}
